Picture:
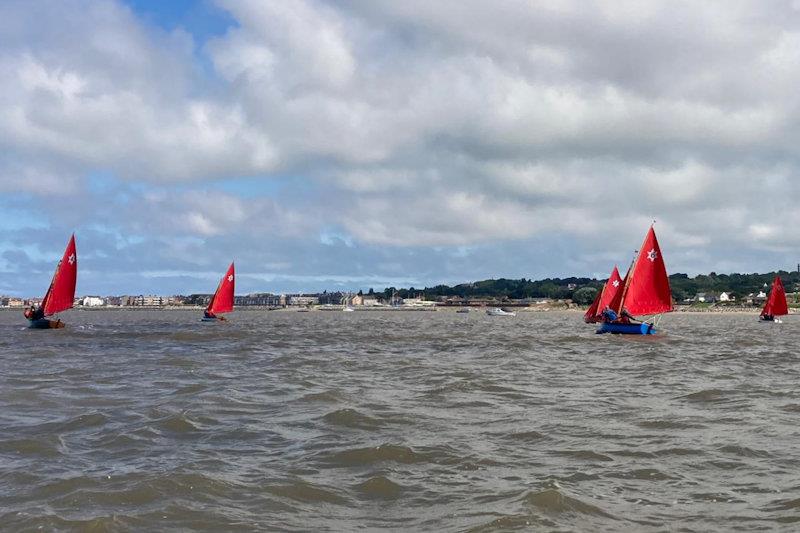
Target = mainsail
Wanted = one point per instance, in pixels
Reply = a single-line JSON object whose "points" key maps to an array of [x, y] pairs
{"points": [[222, 301], [61, 294], [776, 303], [647, 290]]}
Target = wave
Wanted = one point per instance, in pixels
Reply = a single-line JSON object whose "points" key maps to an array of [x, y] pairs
{"points": [[306, 492], [585, 455], [552, 501], [378, 454], [380, 488], [351, 418], [707, 395], [668, 424], [46, 446]]}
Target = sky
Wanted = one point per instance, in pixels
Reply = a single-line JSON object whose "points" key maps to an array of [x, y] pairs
{"points": [[349, 144]]}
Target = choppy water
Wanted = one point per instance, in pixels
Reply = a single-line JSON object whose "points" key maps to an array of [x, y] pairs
{"points": [[406, 421]]}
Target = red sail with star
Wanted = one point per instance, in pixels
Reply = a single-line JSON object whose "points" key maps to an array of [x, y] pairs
{"points": [[647, 290], [222, 301], [61, 294], [604, 297]]}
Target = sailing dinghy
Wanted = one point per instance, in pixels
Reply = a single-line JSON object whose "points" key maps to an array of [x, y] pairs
{"points": [[776, 303], [645, 291], [61, 293], [603, 298], [222, 301]]}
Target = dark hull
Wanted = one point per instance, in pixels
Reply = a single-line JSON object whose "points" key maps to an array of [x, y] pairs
{"points": [[44, 323], [627, 329]]}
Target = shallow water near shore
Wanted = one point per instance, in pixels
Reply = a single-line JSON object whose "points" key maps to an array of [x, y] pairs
{"points": [[151, 420]]}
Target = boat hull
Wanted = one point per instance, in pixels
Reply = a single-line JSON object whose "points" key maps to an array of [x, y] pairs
{"points": [[500, 312], [44, 323], [627, 329]]}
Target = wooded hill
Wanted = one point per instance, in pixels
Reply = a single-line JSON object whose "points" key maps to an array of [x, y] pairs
{"points": [[683, 287]]}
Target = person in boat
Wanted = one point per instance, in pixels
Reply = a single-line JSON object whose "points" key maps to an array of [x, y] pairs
{"points": [[627, 318], [209, 314], [623, 318], [768, 318], [33, 313]]}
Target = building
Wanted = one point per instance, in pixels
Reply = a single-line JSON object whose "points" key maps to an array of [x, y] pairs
{"points": [[331, 298], [418, 301], [144, 301], [92, 301], [727, 297], [302, 299], [10, 301], [264, 299]]}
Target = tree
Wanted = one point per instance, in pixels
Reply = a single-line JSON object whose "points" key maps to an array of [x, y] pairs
{"points": [[584, 295]]}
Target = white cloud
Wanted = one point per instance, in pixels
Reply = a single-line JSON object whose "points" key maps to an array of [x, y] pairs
{"points": [[449, 123]]}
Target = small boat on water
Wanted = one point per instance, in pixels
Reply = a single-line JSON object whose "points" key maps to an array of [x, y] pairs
{"points": [[645, 291], [604, 298], [463, 310], [497, 311], [222, 301], [776, 305], [61, 293]]}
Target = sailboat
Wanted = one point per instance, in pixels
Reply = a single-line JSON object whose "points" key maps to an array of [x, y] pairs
{"points": [[645, 291], [604, 297], [61, 293], [776, 303], [346, 307], [222, 301]]}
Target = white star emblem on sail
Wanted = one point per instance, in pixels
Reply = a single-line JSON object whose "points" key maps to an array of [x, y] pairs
{"points": [[71, 259], [652, 255], [230, 278], [616, 283]]}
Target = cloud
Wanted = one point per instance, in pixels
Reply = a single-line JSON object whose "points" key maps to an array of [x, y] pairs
{"points": [[406, 127]]}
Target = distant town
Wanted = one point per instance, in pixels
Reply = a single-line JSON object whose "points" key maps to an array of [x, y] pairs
{"points": [[703, 291]]}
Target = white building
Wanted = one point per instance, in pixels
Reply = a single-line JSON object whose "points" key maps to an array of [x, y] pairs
{"points": [[726, 297], [92, 301]]}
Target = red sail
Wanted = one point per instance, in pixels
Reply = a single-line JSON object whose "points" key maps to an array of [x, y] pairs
{"points": [[590, 315], [776, 303], [647, 289], [616, 301], [61, 293], [613, 286], [222, 301], [604, 297]]}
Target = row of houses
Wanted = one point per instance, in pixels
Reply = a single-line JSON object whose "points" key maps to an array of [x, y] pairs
{"points": [[753, 298]]}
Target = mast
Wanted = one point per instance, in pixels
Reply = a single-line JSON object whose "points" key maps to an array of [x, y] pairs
{"points": [[628, 277]]}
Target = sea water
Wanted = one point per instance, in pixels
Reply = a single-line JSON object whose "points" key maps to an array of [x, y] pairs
{"points": [[426, 421]]}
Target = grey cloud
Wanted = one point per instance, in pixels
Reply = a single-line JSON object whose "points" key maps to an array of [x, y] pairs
{"points": [[421, 124]]}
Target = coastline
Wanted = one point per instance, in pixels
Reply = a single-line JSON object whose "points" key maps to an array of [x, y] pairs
{"points": [[374, 309]]}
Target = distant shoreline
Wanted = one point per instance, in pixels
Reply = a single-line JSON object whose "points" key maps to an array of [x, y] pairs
{"points": [[445, 309]]}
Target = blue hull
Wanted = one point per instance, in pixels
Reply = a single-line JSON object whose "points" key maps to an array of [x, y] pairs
{"points": [[44, 323], [627, 329]]}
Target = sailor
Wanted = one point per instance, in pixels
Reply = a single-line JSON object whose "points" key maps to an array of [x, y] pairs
{"points": [[609, 315], [626, 317], [32, 313], [208, 314]]}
